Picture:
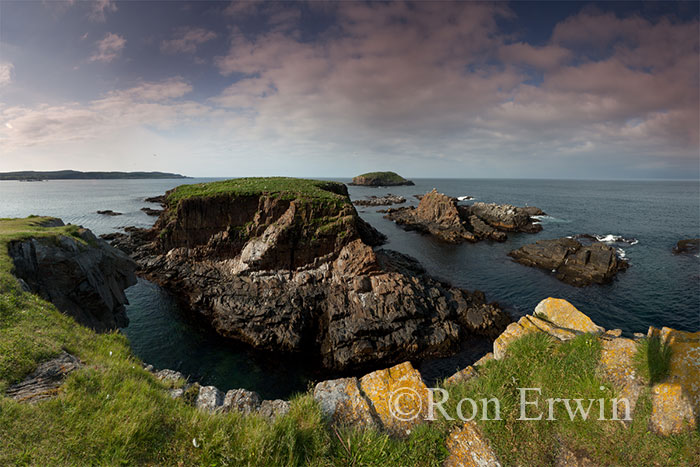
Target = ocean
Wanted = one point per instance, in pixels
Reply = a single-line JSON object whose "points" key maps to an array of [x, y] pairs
{"points": [[658, 289]]}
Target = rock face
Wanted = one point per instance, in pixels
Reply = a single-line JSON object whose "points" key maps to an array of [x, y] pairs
{"points": [[380, 200], [83, 277], [688, 246], [289, 274], [441, 216], [44, 382], [380, 179], [574, 263]]}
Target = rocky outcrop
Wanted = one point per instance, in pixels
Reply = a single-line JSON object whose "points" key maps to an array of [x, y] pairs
{"points": [[152, 212], [83, 276], [387, 200], [380, 179], [45, 381], [109, 212], [440, 215], [687, 246], [573, 262], [289, 274]]}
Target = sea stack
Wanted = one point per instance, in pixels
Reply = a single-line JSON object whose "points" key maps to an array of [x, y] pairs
{"points": [[287, 265]]}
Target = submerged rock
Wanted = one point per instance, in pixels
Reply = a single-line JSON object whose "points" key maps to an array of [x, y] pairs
{"points": [[289, 273], [688, 246], [573, 262], [83, 276], [109, 212], [441, 216], [44, 382]]}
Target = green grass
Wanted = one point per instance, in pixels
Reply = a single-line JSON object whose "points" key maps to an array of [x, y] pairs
{"points": [[276, 186], [384, 177], [112, 412], [653, 359]]}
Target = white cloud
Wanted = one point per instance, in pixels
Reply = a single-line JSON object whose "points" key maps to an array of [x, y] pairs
{"points": [[100, 8], [6, 70], [186, 40], [108, 48]]}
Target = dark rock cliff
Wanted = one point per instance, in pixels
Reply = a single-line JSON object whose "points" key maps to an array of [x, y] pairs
{"points": [[300, 275], [84, 279]]}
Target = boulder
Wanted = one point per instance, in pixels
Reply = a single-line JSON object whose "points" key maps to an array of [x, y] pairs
{"points": [[617, 366], [563, 314], [169, 376], [241, 400], [574, 263], [469, 448], [398, 396], [342, 403], [272, 409], [386, 200], [506, 217], [209, 399], [83, 276], [44, 382], [671, 410], [462, 375]]}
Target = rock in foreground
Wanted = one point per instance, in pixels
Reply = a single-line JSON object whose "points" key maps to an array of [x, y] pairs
{"points": [[380, 179], [287, 265], [440, 215], [83, 276], [573, 262]]}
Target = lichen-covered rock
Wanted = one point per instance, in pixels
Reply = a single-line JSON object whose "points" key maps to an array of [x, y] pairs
{"points": [[486, 358], [169, 376], [513, 332], [469, 448], [617, 366], [684, 367], [671, 410], [209, 399], [547, 327], [342, 403], [398, 396], [573, 262], [273, 408], [565, 315], [241, 400], [44, 382], [83, 277], [462, 375]]}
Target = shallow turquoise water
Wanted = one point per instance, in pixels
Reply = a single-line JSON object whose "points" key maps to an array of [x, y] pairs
{"points": [[658, 289]]}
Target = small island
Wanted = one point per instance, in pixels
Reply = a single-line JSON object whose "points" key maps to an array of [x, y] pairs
{"points": [[380, 179], [30, 175]]}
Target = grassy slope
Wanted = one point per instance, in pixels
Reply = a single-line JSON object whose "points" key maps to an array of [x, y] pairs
{"points": [[386, 177], [113, 412]]}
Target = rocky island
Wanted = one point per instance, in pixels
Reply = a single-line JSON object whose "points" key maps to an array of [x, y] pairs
{"points": [[287, 265], [380, 179], [574, 262], [441, 216]]}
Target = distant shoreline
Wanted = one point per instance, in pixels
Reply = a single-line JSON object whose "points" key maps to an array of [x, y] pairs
{"points": [[33, 176]]}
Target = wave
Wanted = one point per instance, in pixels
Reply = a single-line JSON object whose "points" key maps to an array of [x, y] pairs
{"points": [[610, 238], [465, 198], [545, 218]]}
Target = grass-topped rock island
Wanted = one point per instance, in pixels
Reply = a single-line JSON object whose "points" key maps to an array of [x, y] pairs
{"points": [[380, 179]]}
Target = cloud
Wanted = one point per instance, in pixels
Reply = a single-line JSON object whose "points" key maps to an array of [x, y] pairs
{"points": [[100, 8], [108, 48], [187, 40], [6, 70]]}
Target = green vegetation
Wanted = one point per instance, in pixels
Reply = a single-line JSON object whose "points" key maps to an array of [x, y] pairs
{"points": [[112, 412], [288, 188], [382, 178], [76, 175], [653, 359]]}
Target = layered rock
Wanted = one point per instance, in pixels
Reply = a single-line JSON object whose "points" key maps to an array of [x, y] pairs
{"points": [[573, 262], [44, 382], [440, 215], [295, 274], [380, 179], [83, 277]]}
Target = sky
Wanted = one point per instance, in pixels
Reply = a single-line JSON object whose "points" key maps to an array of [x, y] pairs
{"points": [[576, 90]]}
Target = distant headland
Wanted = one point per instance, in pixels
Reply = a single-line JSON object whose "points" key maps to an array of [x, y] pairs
{"points": [[33, 176]]}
